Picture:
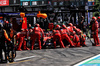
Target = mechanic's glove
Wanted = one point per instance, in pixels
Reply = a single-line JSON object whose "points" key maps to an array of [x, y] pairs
{"points": [[25, 39], [11, 42], [29, 38], [89, 27]]}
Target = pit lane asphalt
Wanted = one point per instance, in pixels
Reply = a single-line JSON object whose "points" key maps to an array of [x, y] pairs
{"points": [[55, 57]]}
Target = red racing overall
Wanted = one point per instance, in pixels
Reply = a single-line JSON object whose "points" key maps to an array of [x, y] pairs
{"points": [[95, 33], [37, 34], [57, 35], [68, 32], [22, 36], [70, 28], [76, 40], [82, 39], [65, 36]]}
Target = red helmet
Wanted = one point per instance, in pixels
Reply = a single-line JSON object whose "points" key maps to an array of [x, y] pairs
{"points": [[94, 18], [64, 26], [74, 27], [37, 25], [70, 24], [7, 22], [26, 29], [57, 27], [79, 31], [74, 32], [98, 18]]}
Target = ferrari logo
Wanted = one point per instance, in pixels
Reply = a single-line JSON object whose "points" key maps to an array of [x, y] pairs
{"points": [[24, 21]]}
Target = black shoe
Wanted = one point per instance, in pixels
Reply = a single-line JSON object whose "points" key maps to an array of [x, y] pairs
{"points": [[93, 45], [84, 46], [11, 60], [71, 46]]}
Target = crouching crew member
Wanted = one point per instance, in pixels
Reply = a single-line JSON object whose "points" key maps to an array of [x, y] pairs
{"points": [[82, 39], [57, 35], [76, 39], [64, 35]]}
